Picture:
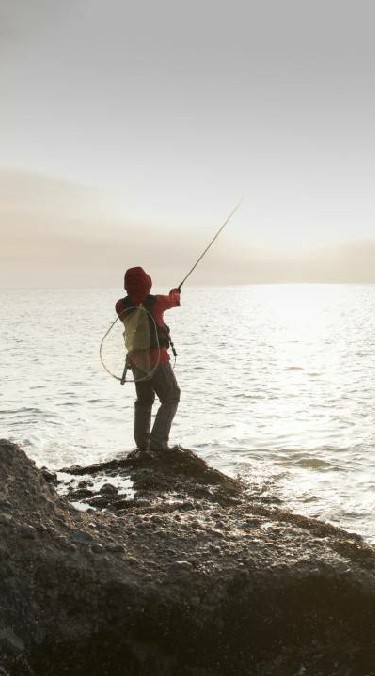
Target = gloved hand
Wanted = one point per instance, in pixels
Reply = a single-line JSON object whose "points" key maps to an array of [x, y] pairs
{"points": [[176, 293]]}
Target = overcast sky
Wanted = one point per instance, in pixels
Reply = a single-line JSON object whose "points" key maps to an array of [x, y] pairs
{"points": [[129, 131]]}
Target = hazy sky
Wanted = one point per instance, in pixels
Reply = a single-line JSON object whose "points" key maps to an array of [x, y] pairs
{"points": [[129, 130]]}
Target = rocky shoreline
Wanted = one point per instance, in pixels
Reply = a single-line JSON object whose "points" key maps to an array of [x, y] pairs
{"points": [[192, 576]]}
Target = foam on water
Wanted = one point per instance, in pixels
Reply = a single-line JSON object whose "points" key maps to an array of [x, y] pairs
{"points": [[277, 381]]}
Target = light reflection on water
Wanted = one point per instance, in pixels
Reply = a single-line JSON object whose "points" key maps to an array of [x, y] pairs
{"points": [[277, 381]]}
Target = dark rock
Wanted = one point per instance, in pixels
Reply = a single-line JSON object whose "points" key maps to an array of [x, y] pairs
{"points": [[26, 531], [48, 475], [81, 536], [143, 502], [98, 501], [116, 548], [79, 494], [109, 489], [5, 504], [97, 548], [122, 504], [229, 588], [85, 484]]}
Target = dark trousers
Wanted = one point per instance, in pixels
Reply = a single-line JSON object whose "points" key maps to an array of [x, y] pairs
{"points": [[163, 383]]}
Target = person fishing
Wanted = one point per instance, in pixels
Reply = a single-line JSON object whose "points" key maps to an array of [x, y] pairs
{"points": [[147, 341]]}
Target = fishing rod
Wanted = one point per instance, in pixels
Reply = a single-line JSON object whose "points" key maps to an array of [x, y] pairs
{"points": [[210, 244], [122, 379]]}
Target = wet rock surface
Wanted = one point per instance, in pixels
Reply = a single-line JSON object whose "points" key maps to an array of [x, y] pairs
{"points": [[194, 575]]}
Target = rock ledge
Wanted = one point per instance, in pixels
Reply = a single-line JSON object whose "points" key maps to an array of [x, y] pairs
{"points": [[191, 577]]}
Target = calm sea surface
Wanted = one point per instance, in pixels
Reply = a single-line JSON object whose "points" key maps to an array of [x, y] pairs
{"points": [[278, 385]]}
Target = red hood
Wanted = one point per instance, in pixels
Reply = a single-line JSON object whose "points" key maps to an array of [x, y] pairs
{"points": [[138, 284]]}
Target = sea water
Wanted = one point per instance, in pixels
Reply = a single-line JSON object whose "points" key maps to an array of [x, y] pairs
{"points": [[278, 386]]}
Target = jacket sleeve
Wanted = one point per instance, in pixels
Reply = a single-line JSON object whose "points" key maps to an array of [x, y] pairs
{"points": [[165, 303]]}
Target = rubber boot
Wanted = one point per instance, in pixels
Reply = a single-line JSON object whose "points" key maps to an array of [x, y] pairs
{"points": [[162, 425], [142, 422]]}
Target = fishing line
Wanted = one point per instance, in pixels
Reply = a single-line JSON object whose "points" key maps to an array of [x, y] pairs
{"points": [[211, 243], [123, 378]]}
